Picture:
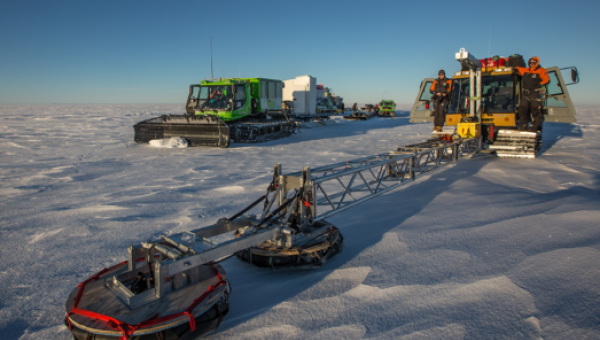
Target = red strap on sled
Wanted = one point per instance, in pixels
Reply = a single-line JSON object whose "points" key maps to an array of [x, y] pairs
{"points": [[125, 329], [128, 330]]}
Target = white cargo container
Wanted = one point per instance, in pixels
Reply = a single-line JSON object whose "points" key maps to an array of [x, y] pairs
{"points": [[302, 92]]}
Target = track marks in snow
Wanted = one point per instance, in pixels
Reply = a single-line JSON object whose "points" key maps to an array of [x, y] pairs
{"points": [[40, 236]]}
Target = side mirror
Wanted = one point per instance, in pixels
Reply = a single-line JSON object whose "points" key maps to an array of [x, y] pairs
{"points": [[574, 74], [190, 91]]}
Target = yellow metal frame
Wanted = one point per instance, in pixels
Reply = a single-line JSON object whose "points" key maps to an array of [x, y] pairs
{"points": [[468, 130], [454, 118], [485, 73], [505, 119]]}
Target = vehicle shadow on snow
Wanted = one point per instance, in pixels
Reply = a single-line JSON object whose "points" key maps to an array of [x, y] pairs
{"points": [[257, 290], [342, 128], [554, 132]]}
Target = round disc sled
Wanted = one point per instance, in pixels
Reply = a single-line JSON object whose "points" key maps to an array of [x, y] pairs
{"points": [[118, 303], [314, 253]]}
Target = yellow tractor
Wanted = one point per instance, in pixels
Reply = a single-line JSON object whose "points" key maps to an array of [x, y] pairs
{"points": [[484, 102]]}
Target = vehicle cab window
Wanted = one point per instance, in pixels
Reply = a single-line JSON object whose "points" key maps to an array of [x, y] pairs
{"points": [[240, 96]]}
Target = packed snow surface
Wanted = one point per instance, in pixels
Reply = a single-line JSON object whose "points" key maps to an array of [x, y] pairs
{"points": [[486, 248]]}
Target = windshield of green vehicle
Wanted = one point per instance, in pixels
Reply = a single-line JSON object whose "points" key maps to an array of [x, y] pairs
{"points": [[214, 97], [497, 94]]}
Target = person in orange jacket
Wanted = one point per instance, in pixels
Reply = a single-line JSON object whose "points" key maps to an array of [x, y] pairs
{"points": [[533, 81], [441, 90]]}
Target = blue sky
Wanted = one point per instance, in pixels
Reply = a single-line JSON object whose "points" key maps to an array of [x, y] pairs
{"points": [[151, 51]]}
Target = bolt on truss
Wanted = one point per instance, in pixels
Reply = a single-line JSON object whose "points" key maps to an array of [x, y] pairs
{"points": [[331, 189]]}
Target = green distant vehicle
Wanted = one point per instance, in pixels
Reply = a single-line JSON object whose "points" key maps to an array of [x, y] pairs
{"points": [[221, 110], [387, 108]]}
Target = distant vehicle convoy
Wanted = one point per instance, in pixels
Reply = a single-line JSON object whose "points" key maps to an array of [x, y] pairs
{"points": [[219, 111], [222, 110]]}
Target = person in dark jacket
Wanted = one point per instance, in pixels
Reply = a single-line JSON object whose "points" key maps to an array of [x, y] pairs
{"points": [[441, 90], [534, 78], [217, 98]]}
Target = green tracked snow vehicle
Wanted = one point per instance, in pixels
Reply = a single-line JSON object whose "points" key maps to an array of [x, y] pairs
{"points": [[219, 111], [387, 108]]}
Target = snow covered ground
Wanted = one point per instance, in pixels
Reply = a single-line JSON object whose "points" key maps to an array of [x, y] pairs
{"points": [[487, 248]]}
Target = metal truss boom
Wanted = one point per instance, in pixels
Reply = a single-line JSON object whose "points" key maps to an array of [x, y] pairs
{"points": [[331, 189]]}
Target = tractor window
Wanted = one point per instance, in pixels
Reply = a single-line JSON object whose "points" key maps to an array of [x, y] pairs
{"points": [[195, 91], [201, 93], [426, 96], [278, 86], [215, 97], [271, 90], [554, 102], [240, 93], [460, 96], [553, 87], [497, 94], [263, 89], [240, 96]]}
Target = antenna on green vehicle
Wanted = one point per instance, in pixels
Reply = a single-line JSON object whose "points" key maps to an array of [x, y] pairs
{"points": [[211, 64]]}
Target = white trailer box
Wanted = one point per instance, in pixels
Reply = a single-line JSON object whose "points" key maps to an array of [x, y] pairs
{"points": [[302, 92]]}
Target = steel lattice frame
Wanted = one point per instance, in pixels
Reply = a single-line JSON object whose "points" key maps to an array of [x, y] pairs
{"points": [[334, 188]]}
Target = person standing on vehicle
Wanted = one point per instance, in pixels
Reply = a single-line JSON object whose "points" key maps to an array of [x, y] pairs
{"points": [[441, 90], [533, 81]]}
